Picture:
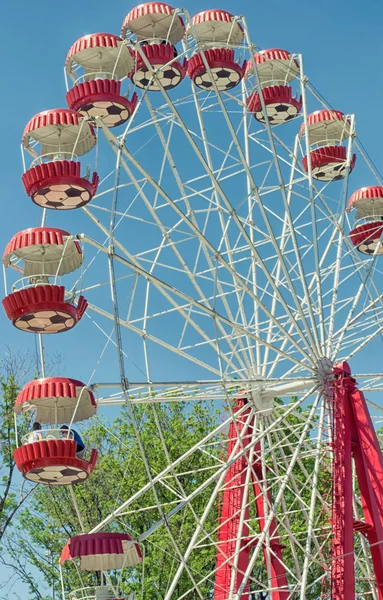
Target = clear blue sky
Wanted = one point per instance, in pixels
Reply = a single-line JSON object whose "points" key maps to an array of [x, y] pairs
{"points": [[341, 43]]}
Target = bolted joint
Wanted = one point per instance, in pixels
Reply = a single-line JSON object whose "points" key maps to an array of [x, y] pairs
{"points": [[124, 384]]}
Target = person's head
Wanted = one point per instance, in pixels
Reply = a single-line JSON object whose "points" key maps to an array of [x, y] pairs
{"points": [[36, 426], [65, 431]]}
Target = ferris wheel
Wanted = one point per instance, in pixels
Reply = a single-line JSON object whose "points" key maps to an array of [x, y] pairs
{"points": [[223, 245]]}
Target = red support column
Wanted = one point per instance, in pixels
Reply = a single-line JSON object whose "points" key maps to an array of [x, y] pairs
{"points": [[234, 497], [342, 565], [354, 433], [369, 469]]}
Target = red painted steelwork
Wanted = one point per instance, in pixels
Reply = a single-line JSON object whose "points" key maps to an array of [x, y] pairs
{"points": [[342, 566], [233, 495], [369, 469], [233, 528], [354, 434]]}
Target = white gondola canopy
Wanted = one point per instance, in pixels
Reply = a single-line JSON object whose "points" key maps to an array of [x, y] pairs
{"points": [[44, 251], [100, 53], [57, 400], [102, 551]]}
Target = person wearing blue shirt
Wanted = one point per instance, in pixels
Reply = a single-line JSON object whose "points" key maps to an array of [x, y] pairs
{"points": [[74, 435]]}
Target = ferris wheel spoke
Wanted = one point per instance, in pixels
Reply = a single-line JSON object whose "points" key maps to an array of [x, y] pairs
{"points": [[289, 215], [313, 503], [188, 319], [220, 190], [222, 225], [303, 509], [263, 210], [162, 286], [276, 273], [219, 256], [293, 542], [365, 342], [167, 153], [156, 340], [358, 296], [166, 471]]}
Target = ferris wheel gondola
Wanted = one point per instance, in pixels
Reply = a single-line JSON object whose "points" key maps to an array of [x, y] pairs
{"points": [[36, 304], [327, 130], [275, 69], [54, 139], [50, 456], [96, 64], [368, 203], [56, 400], [155, 28], [220, 34]]}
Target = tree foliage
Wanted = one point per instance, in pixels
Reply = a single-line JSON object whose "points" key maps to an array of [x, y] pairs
{"points": [[10, 497]]}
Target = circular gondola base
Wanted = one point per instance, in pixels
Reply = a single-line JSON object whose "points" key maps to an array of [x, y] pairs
{"points": [[168, 77], [225, 78], [278, 113], [332, 171], [369, 246], [62, 196], [57, 475], [111, 113], [45, 321]]}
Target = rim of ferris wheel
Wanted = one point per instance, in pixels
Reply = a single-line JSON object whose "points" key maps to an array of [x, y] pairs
{"points": [[367, 201], [226, 71], [57, 400], [44, 250], [100, 52], [58, 185], [102, 98], [154, 20], [329, 163], [53, 461], [280, 103], [273, 65], [59, 131], [43, 309], [169, 71], [217, 25], [325, 126], [367, 238], [102, 551]]}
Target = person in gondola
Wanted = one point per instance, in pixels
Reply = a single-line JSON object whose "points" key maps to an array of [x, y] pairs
{"points": [[71, 434], [35, 435]]}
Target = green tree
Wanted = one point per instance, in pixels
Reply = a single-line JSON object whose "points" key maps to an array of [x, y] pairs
{"points": [[10, 498]]}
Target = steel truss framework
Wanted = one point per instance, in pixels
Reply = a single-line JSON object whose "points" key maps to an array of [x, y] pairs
{"points": [[210, 248]]}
